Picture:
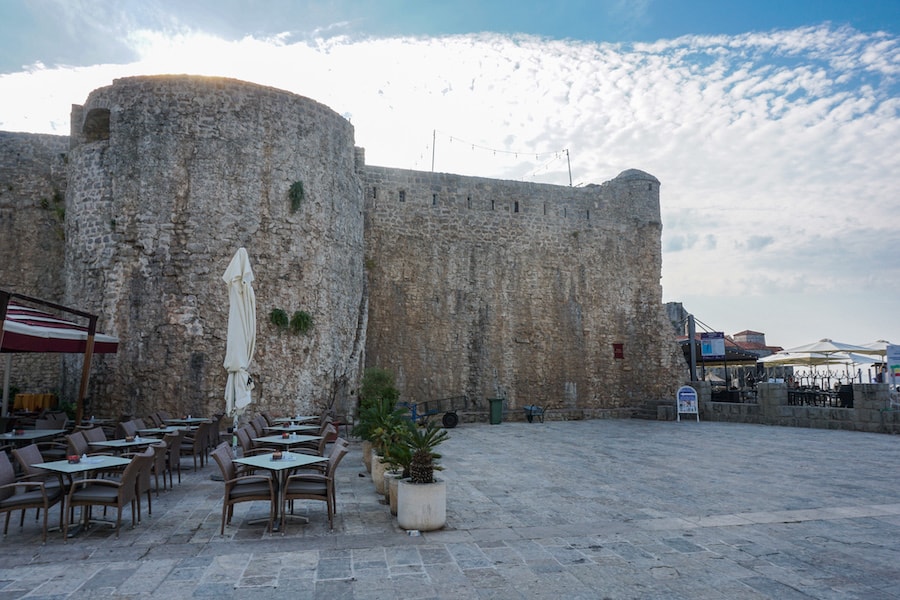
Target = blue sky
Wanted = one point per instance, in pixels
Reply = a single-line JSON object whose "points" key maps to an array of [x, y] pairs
{"points": [[772, 126]]}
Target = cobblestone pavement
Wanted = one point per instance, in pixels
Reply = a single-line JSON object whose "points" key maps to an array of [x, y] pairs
{"points": [[580, 509]]}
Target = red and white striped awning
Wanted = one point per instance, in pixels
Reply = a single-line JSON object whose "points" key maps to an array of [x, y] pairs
{"points": [[26, 329]]}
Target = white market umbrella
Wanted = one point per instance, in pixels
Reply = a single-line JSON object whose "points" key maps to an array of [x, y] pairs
{"points": [[241, 341], [827, 346], [802, 359]]}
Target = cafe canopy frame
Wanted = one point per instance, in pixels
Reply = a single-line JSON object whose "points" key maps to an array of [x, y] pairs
{"points": [[27, 329]]}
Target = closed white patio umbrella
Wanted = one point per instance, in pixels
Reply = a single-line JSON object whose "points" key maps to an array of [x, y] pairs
{"points": [[241, 341]]}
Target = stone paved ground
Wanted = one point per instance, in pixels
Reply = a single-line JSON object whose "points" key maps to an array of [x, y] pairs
{"points": [[584, 509]]}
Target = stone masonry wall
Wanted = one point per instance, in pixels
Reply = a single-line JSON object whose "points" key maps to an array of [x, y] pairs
{"points": [[500, 288], [32, 226], [461, 285], [170, 176]]}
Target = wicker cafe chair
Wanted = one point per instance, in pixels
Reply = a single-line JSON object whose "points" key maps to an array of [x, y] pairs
{"points": [[25, 493], [160, 463], [173, 454], [94, 434], [242, 488], [194, 444], [88, 493], [126, 429], [146, 459], [315, 486], [30, 455]]}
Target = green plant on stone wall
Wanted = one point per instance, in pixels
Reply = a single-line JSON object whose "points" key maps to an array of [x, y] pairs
{"points": [[296, 195], [301, 322], [278, 318]]}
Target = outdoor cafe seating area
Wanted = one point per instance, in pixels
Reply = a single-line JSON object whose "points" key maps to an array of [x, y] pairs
{"points": [[105, 472]]}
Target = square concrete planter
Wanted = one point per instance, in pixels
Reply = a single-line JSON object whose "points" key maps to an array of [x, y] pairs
{"points": [[422, 506]]}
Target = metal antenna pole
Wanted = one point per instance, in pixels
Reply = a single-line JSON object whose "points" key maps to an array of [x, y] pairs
{"points": [[569, 162], [433, 141]]}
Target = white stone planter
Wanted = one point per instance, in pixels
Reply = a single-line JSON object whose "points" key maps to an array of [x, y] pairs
{"points": [[378, 469], [391, 481], [422, 506], [367, 455]]}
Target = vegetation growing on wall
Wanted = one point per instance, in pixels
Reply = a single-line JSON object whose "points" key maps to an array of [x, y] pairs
{"points": [[278, 318], [296, 195], [300, 322], [57, 205]]}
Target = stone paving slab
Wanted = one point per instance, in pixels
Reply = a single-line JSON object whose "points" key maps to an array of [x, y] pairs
{"points": [[583, 509]]}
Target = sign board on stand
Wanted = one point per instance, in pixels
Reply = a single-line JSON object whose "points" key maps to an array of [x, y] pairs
{"points": [[686, 402]]}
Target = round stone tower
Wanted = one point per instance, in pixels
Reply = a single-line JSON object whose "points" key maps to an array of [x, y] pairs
{"points": [[170, 175]]}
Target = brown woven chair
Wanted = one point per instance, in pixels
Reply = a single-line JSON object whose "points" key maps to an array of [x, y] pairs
{"points": [[173, 454], [126, 429], [160, 463], [146, 458], [315, 486], [94, 434], [242, 488], [30, 455], [109, 493], [24, 493], [194, 443]]}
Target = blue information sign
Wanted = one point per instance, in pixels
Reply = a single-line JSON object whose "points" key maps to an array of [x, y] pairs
{"points": [[686, 402]]}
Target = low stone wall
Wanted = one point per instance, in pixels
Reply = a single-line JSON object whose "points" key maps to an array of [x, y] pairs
{"points": [[871, 410]]}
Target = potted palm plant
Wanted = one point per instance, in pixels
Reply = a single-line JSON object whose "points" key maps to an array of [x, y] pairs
{"points": [[375, 392], [422, 499], [397, 457], [388, 430]]}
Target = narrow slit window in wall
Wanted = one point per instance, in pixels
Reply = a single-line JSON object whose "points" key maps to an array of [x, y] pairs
{"points": [[468, 201], [589, 214], [516, 208], [619, 351], [492, 205], [434, 199], [402, 196], [374, 193]]}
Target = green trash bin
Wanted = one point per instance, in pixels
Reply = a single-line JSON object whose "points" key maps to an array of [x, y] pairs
{"points": [[496, 410]]}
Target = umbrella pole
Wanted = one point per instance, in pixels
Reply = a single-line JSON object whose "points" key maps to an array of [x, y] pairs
{"points": [[6, 371], [85, 375]]}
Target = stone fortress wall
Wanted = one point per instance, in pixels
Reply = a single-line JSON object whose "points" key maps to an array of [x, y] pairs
{"points": [[510, 289], [457, 284]]}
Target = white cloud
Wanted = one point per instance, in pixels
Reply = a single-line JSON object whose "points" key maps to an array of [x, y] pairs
{"points": [[775, 151]]}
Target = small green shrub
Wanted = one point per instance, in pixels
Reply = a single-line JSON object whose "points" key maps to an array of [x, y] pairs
{"points": [[278, 318], [301, 322], [296, 195]]}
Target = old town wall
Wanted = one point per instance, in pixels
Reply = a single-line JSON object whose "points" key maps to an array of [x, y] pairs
{"points": [[170, 176], [538, 293]]}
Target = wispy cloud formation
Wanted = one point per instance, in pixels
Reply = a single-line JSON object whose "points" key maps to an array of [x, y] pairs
{"points": [[775, 150]]}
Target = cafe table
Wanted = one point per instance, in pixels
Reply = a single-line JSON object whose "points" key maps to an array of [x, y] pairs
{"points": [[298, 419], [85, 466], [292, 428], [121, 444], [280, 469], [287, 442], [190, 421], [157, 430], [30, 435]]}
